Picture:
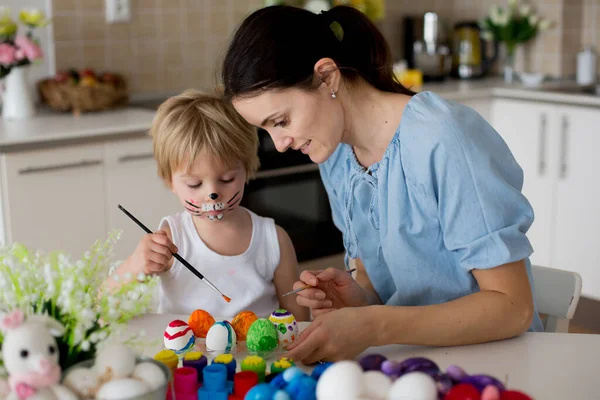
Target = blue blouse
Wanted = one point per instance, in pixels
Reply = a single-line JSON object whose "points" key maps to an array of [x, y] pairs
{"points": [[444, 199]]}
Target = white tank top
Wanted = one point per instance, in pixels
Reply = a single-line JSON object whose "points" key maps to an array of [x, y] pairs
{"points": [[246, 278]]}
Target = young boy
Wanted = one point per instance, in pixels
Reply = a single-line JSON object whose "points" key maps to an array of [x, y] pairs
{"points": [[206, 153]]}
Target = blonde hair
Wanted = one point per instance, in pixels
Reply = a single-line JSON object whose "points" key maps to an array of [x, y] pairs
{"points": [[193, 121]]}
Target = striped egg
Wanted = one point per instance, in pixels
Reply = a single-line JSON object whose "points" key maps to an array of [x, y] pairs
{"points": [[221, 337], [179, 337]]}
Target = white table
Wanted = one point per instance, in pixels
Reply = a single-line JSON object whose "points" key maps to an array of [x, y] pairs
{"points": [[544, 365]]}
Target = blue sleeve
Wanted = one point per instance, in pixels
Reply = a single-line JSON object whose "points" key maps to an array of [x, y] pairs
{"points": [[477, 185]]}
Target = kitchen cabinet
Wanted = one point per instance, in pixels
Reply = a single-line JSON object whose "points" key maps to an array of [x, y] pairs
{"points": [[556, 147], [54, 198], [133, 182]]}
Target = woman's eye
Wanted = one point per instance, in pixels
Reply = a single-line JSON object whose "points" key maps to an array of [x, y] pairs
{"points": [[281, 124], [196, 186], [227, 180]]}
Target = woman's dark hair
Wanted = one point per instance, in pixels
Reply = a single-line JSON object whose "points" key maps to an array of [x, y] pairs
{"points": [[277, 47]]}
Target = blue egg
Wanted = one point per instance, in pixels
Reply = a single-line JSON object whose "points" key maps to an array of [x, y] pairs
{"points": [[319, 369], [278, 382], [292, 373], [262, 391], [281, 395], [302, 388]]}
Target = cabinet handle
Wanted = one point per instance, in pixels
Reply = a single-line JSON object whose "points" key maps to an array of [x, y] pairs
{"points": [[542, 147], [563, 147], [49, 168], [135, 157]]}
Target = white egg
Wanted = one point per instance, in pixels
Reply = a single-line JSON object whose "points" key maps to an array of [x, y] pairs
{"points": [[122, 389], [221, 337], [343, 380], [42, 394], [114, 361], [62, 393], [83, 381], [377, 385], [413, 386], [151, 374]]}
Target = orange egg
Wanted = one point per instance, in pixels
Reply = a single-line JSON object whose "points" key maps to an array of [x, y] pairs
{"points": [[200, 321], [241, 323]]}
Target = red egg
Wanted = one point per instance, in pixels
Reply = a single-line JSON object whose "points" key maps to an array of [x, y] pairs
{"points": [[463, 391], [514, 395]]}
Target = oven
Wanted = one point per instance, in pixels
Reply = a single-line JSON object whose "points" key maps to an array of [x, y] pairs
{"points": [[288, 188]]}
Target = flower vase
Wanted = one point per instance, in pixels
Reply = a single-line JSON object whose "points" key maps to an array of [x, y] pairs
{"points": [[509, 65], [17, 100]]}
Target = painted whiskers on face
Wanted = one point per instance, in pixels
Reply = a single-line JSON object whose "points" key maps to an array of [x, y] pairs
{"points": [[204, 208]]}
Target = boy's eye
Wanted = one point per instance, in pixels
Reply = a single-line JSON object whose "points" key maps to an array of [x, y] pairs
{"points": [[196, 186], [227, 180], [281, 124]]}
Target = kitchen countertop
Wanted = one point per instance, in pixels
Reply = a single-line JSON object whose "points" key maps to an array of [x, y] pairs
{"points": [[50, 128]]}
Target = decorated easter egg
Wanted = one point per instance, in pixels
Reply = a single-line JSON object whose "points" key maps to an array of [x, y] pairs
{"points": [[262, 337], [413, 386], [221, 337], [241, 323], [200, 321], [83, 381], [179, 337], [286, 325]]}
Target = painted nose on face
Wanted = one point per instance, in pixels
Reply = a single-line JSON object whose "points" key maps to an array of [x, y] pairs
{"points": [[213, 196]]}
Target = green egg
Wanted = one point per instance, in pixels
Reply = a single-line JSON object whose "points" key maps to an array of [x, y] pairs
{"points": [[262, 337]]}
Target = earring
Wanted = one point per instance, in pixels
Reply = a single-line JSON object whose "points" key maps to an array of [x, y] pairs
{"points": [[333, 94]]}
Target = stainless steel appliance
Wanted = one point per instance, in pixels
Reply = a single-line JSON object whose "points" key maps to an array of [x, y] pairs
{"points": [[426, 46], [288, 188], [473, 57]]}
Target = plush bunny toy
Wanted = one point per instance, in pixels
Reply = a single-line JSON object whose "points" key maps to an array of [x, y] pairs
{"points": [[30, 356]]}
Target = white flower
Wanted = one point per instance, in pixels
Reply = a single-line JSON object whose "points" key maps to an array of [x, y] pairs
{"points": [[533, 20], [85, 345], [544, 25], [503, 19], [525, 10]]}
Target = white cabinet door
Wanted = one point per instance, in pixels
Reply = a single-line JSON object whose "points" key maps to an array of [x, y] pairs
{"points": [[530, 132], [577, 228], [54, 199], [132, 181]]}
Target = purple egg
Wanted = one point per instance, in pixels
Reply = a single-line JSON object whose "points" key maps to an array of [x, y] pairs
{"points": [[372, 362], [455, 372], [420, 364], [481, 381], [391, 369], [443, 384]]}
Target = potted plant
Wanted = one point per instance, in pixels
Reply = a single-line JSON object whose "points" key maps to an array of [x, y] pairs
{"points": [[514, 25], [74, 293], [17, 53]]}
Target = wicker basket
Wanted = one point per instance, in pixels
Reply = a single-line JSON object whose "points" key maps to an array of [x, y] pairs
{"points": [[67, 96]]}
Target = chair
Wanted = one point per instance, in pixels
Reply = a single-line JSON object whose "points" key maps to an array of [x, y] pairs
{"points": [[556, 294]]}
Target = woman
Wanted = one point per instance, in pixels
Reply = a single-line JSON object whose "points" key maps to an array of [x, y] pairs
{"points": [[425, 191]]}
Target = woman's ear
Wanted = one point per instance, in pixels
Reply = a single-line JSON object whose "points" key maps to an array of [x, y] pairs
{"points": [[327, 72]]}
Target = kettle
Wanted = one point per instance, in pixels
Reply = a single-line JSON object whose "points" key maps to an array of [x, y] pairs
{"points": [[471, 58]]}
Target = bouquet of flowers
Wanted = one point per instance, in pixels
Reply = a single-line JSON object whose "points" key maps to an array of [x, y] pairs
{"points": [[514, 25], [374, 9], [74, 293], [19, 50]]}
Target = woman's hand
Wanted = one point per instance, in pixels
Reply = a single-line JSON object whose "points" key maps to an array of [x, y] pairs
{"points": [[334, 336], [331, 289]]}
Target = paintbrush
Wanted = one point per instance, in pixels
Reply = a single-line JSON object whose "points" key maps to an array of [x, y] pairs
{"points": [[178, 257], [308, 286]]}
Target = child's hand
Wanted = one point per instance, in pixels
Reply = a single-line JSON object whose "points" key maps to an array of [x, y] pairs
{"points": [[154, 253]]}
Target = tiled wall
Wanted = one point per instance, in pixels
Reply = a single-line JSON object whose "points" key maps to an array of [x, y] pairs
{"points": [[576, 23], [169, 45], [173, 44]]}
